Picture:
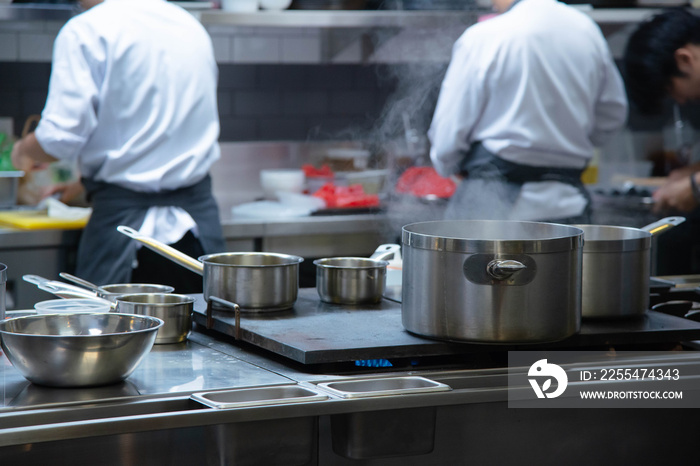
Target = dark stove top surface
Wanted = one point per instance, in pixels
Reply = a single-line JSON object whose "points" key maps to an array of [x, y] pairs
{"points": [[314, 332]]}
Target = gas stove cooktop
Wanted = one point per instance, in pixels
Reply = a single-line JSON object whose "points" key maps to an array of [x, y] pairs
{"points": [[318, 334]]}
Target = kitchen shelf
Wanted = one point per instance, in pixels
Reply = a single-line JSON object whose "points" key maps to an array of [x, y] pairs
{"points": [[323, 18], [341, 19], [392, 18]]}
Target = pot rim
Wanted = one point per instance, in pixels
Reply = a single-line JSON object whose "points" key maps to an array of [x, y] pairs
{"points": [[638, 240], [286, 259], [154, 324], [134, 299], [326, 263], [556, 238]]}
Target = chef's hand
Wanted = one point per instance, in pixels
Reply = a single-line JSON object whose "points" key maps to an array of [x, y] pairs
{"points": [[683, 172], [675, 195], [68, 191], [28, 156]]}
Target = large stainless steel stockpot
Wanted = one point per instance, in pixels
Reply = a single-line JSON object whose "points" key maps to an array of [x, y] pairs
{"points": [[492, 281], [616, 268], [255, 281]]}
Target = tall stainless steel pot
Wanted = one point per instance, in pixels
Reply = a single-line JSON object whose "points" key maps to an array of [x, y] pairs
{"points": [[491, 281], [616, 268], [256, 281]]}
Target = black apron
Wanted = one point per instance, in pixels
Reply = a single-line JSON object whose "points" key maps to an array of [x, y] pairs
{"points": [[492, 186], [106, 256]]}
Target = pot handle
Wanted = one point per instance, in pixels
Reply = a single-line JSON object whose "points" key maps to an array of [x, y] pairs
{"points": [[66, 291], [502, 269], [163, 249], [50, 285], [663, 225], [34, 279], [81, 282], [236, 309], [385, 251]]}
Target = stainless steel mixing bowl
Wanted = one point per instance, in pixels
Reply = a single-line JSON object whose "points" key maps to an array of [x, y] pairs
{"points": [[78, 350]]}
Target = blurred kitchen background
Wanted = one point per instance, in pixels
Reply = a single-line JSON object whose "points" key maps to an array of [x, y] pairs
{"points": [[363, 75]]}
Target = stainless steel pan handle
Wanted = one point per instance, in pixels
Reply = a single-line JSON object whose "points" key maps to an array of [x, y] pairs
{"points": [[34, 279], [80, 281], [163, 249], [385, 251], [663, 225], [49, 285], [66, 291], [233, 306]]}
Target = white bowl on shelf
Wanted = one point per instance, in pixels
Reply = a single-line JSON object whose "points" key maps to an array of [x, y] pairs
{"points": [[240, 6], [275, 5], [282, 179]]}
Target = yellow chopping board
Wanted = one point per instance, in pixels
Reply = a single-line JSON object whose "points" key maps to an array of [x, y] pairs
{"points": [[38, 220]]}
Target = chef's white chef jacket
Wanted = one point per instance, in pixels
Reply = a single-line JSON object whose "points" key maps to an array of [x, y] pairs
{"points": [[131, 115], [536, 85]]}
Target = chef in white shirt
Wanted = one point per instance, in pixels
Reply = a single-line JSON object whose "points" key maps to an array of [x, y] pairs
{"points": [[132, 99], [527, 97]]}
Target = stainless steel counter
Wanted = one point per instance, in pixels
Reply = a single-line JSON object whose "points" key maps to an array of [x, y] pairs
{"points": [[168, 370], [150, 419]]}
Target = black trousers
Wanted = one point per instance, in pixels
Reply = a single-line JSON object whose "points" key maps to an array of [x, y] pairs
{"points": [[156, 269]]}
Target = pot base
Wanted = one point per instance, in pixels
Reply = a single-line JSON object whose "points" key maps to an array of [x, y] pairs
{"points": [[489, 342]]}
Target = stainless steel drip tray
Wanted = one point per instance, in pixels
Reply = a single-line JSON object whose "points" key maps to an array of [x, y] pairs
{"points": [[258, 396], [382, 387]]}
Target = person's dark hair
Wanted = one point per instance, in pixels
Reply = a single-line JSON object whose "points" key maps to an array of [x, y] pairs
{"points": [[649, 61]]}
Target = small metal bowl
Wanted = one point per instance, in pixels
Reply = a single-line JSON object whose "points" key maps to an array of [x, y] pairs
{"points": [[350, 280], [175, 310], [78, 350]]}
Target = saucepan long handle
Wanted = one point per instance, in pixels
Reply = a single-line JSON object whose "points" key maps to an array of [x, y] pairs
{"points": [[663, 225], [163, 249], [386, 251], [42, 283], [67, 291]]}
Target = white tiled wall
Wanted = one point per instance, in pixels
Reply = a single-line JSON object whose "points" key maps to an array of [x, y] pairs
{"points": [[28, 41], [32, 41], [9, 49]]}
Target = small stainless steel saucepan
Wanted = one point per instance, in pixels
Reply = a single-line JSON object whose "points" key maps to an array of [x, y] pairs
{"points": [[616, 268], [255, 281], [175, 310], [354, 280]]}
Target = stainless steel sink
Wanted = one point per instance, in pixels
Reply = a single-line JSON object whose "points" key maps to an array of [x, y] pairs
{"points": [[382, 387], [258, 396]]}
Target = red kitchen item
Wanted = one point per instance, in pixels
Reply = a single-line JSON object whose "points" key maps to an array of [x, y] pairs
{"points": [[312, 172], [425, 181], [346, 196]]}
